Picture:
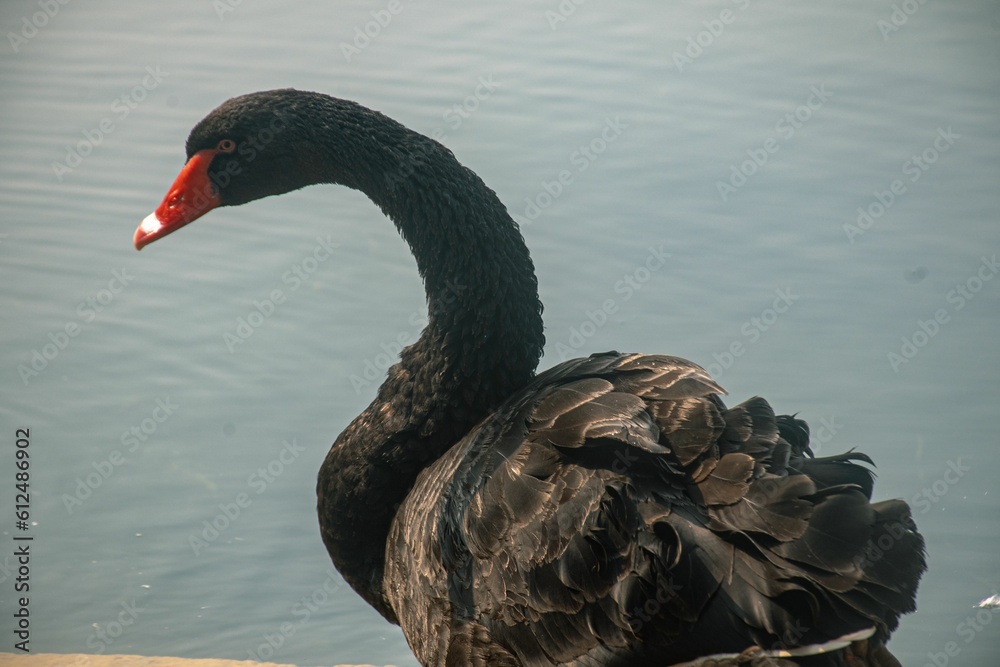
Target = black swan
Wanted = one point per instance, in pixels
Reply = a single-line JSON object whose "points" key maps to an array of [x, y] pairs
{"points": [[609, 511]]}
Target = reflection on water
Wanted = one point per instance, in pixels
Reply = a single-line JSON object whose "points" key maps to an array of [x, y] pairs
{"points": [[841, 156]]}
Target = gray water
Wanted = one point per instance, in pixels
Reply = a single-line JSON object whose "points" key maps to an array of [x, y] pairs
{"points": [[731, 145]]}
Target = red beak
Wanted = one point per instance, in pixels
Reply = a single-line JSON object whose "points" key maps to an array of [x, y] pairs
{"points": [[191, 196]]}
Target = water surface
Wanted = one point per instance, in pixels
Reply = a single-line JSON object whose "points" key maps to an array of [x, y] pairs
{"points": [[835, 162]]}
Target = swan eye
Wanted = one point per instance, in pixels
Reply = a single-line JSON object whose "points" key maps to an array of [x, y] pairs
{"points": [[227, 146]]}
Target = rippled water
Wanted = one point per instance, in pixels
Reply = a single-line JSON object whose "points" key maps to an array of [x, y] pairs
{"points": [[814, 189]]}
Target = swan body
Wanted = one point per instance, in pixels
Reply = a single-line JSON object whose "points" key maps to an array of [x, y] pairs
{"points": [[609, 511]]}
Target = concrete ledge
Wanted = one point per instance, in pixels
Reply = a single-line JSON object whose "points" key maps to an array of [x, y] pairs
{"points": [[81, 660]]}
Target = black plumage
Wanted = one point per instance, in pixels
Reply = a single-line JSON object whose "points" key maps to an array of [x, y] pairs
{"points": [[609, 511]]}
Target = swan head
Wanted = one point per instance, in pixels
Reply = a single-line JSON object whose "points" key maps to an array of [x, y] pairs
{"points": [[250, 147]]}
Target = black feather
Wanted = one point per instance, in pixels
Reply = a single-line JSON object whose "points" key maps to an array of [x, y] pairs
{"points": [[608, 512]]}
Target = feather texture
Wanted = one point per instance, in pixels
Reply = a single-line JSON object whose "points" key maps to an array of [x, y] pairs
{"points": [[609, 512], [627, 517]]}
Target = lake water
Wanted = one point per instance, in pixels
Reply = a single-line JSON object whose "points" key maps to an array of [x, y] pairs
{"points": [[836, 162]]}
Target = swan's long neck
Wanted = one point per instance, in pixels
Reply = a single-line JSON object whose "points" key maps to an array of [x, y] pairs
{"points": [[482, 342]]}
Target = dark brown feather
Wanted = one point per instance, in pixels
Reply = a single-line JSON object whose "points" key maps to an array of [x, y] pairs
{"points": [[632, 515]]}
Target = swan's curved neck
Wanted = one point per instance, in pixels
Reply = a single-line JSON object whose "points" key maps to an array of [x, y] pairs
{"points": [[482, 343]]}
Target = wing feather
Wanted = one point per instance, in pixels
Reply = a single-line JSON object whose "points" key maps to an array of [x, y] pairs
{"points": [[616, 512]]}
